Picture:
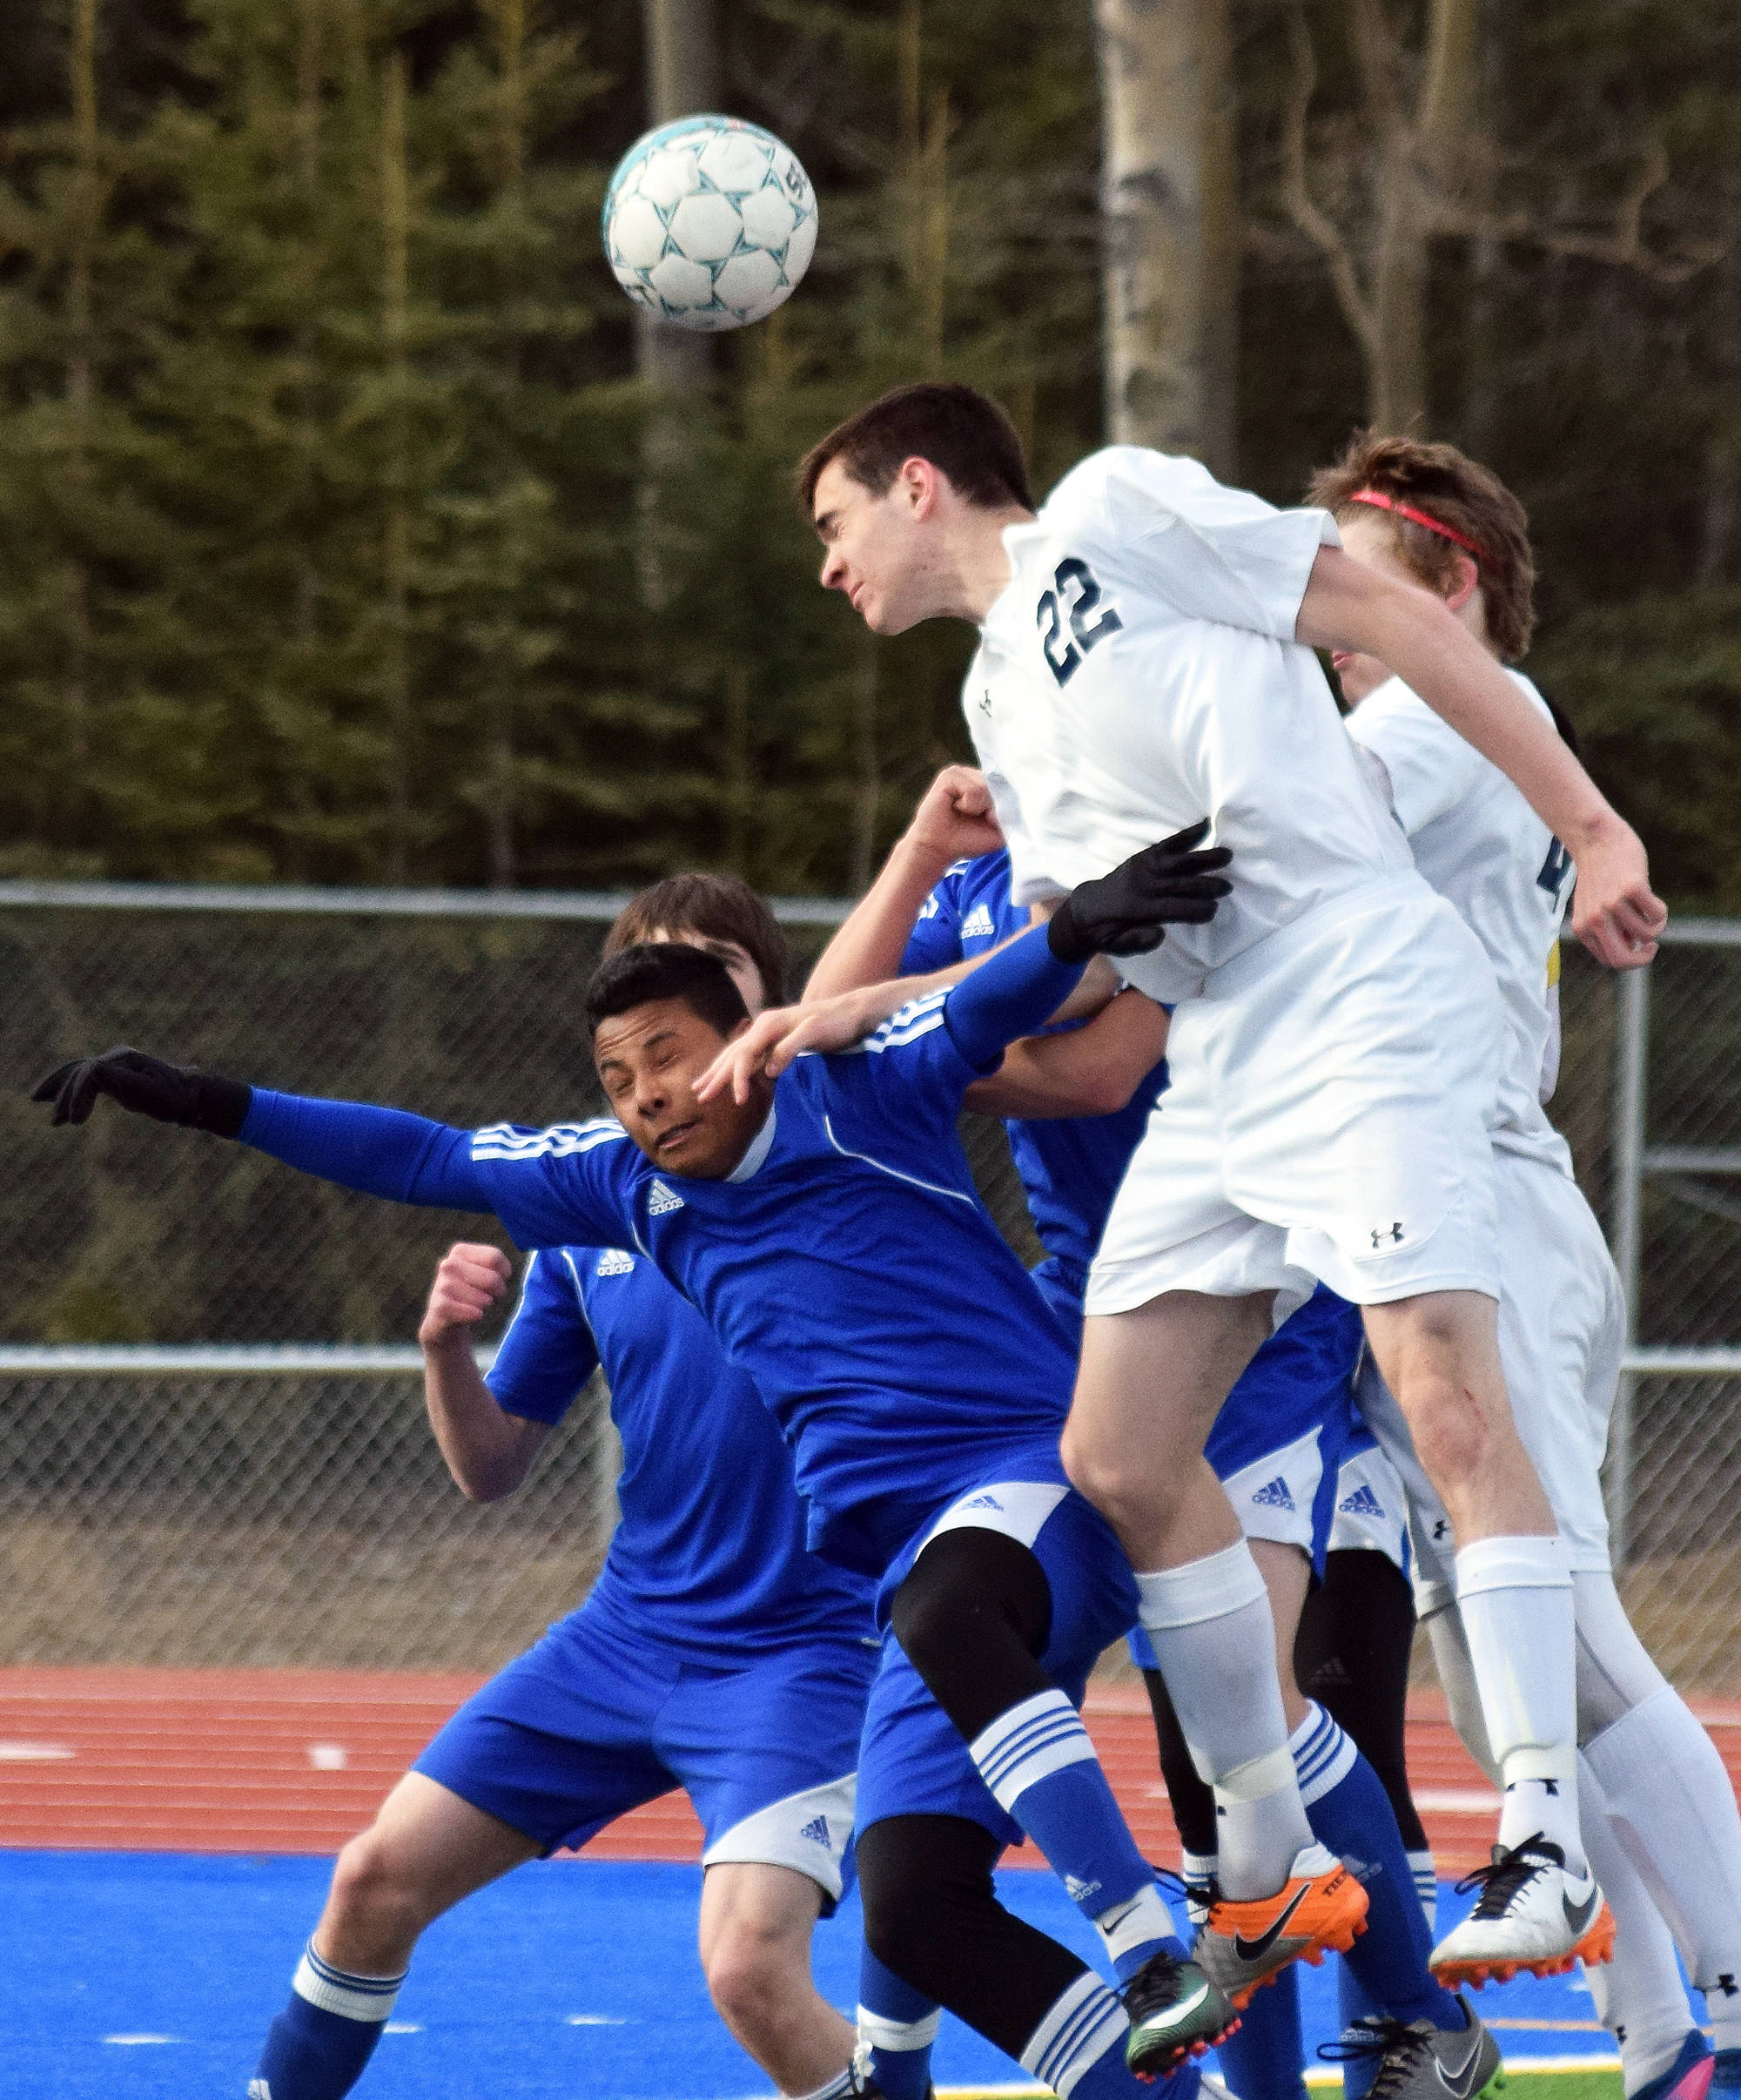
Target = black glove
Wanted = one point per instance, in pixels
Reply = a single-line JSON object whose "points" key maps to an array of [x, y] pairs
{"points": [[1128, 911], [173, 1093]]}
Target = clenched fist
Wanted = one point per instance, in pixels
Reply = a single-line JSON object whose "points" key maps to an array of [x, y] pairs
{"points": [[471, 1278]]}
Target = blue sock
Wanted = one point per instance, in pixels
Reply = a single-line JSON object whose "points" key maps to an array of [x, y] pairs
{"points": [[1351, 1814], [317, 2046], [897, 2025], [1038, 1761], [1265, 2059], [1079, 2048]]}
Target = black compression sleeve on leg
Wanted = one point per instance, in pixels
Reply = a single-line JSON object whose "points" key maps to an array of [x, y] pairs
{"points": [[973, 1616], [932, 1915], [1192, 1797], [1351, 1654]]}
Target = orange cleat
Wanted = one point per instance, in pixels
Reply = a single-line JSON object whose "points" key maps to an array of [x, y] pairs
{"points": [[1320, 1909]]}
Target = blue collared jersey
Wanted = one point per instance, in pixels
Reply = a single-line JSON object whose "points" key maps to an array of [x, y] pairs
{"points": [[846, 1267], [1071, 1167], [709, 1554]]}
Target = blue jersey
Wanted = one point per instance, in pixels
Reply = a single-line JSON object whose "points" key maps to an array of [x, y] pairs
{"points": [[1070, 1167], [846, 1265], [709, 1549]]}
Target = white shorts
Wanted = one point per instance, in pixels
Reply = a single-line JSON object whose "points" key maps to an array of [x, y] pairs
{"points": [[1561, 1329], [1371, 1508], [1327, 1118]]}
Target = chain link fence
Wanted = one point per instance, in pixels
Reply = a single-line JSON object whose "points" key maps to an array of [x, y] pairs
{"points": [[212, 1446]]}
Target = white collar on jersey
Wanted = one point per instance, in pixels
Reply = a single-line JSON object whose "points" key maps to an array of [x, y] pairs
{"points": [[760, 1146]]}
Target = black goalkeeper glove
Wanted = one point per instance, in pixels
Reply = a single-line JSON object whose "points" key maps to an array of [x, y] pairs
{"points": [[173, 1093], [1128, 911]]}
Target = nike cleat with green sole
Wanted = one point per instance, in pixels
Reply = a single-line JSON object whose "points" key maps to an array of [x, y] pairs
{"points": [[1175, 2013]]}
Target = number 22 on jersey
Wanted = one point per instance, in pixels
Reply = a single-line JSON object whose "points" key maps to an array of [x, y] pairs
{"points": [[1070, 605]]}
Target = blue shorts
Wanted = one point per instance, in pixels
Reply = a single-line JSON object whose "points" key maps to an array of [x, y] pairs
{"points": [[596, 1718], [1061, 1283], [913, 1760]]}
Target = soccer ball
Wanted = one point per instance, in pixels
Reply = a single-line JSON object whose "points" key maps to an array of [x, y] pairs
{"points": [[709, 222]]}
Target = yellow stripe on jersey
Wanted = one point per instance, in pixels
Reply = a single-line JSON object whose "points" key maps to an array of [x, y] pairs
{"points": [[1552, 965]]}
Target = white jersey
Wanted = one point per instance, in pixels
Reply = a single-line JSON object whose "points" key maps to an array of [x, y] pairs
{"points": [[1140, 673], [1487, 852]]}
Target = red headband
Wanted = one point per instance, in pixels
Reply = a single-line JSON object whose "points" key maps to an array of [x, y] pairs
{"points": [[1420, 517]]}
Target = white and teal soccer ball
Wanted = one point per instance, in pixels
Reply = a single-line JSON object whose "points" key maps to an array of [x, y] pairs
{"points": [[709, 222]]}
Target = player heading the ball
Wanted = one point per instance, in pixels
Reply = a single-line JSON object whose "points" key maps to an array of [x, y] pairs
{"points": [[1146, 661]]}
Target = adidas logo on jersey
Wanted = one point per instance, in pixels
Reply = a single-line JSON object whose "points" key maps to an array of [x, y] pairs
{"points": [[983, 1502], [815, 1830], [259, 2089], [977, 924], [1077, 1891], [662, 1200], [1361, 1503], [1274, 1495], [613, 1263]]}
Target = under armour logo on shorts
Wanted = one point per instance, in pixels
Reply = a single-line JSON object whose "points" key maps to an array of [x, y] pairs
{"points": [[1380, 1234]]}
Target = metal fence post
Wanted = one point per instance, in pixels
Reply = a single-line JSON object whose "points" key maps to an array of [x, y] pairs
{"points": [[1631, 1052]]}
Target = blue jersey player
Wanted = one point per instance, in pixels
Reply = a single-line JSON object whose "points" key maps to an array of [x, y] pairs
{"points": [[826, 1227], [714, 1652], [1300, 1468]]}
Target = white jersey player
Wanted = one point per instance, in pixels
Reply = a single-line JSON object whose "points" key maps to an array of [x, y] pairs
{"points": [[1426, 512], [1145, 666]]}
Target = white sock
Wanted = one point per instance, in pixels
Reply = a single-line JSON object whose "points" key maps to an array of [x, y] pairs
{"points": [[1071, 2040], [1215, 1639], [1426, 1874], [1516, 1597], [1639, 1996], [1669, 1801]]}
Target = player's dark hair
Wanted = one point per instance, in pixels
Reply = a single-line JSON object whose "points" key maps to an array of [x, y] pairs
{"points": [[703, 908], [1455, 492], [956, 428], [665, 969]]}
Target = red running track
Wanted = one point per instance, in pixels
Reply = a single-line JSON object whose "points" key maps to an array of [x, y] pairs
{"points": [[297, 1760]]}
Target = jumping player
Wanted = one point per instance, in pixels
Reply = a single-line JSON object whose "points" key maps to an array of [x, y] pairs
{"points": [[1289, 1447], [1428, 514], [809, 1224], [1146, 660], [714, 1652]]}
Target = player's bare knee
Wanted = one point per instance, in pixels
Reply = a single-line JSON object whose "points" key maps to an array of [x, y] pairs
{"points": [[1123, 1492], [1453, 1433], [374, 1894], [753, 1974]]}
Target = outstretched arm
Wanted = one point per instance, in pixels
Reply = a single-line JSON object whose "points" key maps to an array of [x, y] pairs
{"points": [[1348, 606], [1126, 913]]}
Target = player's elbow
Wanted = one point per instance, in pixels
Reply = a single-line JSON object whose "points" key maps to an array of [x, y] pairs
{"points": [[485, 1478], [1106, 1088]]}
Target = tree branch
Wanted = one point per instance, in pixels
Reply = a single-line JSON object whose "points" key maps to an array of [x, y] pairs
{"points": [[1317, 225], [1624, 247]]}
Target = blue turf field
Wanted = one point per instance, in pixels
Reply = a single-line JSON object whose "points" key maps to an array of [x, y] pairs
{"points": [[152, 1976]]}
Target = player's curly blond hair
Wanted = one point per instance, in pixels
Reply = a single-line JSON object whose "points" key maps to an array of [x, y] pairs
{"points": [[1479, 513]]}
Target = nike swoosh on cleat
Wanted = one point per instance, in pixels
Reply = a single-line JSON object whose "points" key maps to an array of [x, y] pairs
{"points": [[1175, 2014], [1254, 1950], [1460, 2084], [1579, 1914]]}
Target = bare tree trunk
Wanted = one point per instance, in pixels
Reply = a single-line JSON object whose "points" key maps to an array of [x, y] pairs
{"points": [[922, 192], [396, 535], [682, 39], [81, 368], [1169, 206]]}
